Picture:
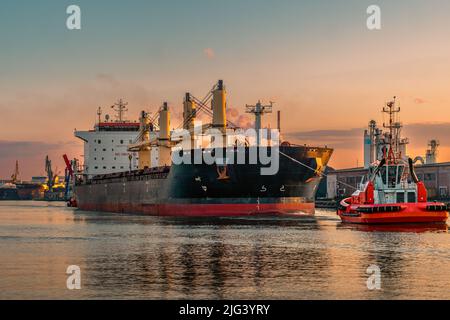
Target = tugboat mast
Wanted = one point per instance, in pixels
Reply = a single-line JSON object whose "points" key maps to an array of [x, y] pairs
{"points": [[394, 130]]}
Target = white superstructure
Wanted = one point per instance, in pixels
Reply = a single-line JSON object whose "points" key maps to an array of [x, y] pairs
{"points": [[105, 147]]}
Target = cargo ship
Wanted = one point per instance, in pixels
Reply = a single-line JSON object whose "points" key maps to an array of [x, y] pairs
{"points": [[14, 189], [213, 169]]}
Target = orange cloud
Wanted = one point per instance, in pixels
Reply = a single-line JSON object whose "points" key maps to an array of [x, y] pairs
{"points": [[419, 101]]}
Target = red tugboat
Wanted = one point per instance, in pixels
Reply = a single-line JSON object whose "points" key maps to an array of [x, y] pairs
{"points": [[391, 193]]}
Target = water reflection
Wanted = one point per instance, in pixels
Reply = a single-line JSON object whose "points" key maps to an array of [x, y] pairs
{"points": [[129, 256], [399, 228], [215, 258]]}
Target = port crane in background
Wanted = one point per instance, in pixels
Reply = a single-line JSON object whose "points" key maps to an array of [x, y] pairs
{"points": [[54, 188], [68, 178], [51, 177], [15, 175]]}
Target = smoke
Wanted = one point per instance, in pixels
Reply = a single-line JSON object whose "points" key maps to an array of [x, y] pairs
{"points": [[243, 121]]}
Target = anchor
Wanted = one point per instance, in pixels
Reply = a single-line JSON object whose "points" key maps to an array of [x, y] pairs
{"points": [[222, 173]]}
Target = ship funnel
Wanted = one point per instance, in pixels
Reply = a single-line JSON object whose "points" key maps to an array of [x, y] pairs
{"points": [[164, 122], [219, 104], [189, 112]]}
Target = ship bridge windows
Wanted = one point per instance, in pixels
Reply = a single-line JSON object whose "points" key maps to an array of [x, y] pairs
{"points": [[401, 170], [382, 174], [411, 197], [400, 197], [392, 176]]}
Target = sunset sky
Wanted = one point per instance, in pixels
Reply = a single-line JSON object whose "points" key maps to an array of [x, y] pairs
{"points": [[315, 59]]}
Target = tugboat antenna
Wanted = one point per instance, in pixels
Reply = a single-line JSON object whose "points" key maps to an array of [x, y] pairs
{"points": [[394, 128]]}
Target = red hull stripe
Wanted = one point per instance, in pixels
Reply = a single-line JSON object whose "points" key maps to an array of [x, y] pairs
{"points": [[205, 210]]}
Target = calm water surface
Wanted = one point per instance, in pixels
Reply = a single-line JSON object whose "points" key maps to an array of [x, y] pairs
{"points": [[130, 256]]}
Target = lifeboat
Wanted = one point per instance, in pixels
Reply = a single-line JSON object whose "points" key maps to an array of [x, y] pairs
{"points": [[391, 195]]}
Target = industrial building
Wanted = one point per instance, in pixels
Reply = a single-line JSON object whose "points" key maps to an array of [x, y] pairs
{"points": [[436, 176]]}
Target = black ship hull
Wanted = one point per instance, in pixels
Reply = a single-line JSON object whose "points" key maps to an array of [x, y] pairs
{"points": [[211, 190]]}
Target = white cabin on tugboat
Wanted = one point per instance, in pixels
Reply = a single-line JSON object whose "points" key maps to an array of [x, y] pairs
{"points": [[393, 186]]}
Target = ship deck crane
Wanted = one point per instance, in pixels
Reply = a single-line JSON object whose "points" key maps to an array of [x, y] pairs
{"points": [[258, 110]]}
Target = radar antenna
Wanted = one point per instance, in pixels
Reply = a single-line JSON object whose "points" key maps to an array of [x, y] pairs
{"points": [[99, 114], [120, 108], [394, 127]]}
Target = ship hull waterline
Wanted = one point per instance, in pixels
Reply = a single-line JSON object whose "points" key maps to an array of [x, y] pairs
{"points": [[208, 210]]}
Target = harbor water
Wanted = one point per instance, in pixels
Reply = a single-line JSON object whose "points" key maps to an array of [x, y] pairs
{"points": [[142, 257]]}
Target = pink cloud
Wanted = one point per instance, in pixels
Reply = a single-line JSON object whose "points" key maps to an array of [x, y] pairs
{"points": [[209, 53]]}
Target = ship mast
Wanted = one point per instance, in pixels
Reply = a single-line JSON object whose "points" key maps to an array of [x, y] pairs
{"points": [[258, 110], [99, 114], [394, 130], [120, 108]]}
